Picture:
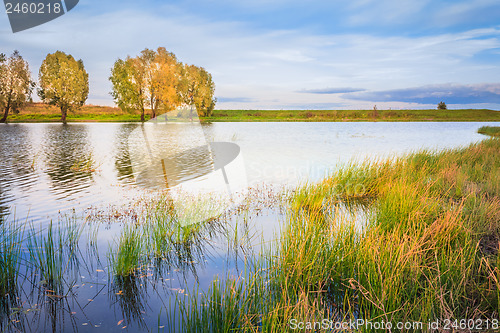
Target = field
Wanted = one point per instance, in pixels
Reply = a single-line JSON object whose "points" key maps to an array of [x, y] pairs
{"points": [[354, 115], [37, 112]]}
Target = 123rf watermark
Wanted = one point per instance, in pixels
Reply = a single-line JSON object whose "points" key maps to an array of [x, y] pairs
{"points": [[358, 324]]}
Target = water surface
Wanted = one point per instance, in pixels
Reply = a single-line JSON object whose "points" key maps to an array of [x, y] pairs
{"points": [[39, 178]]}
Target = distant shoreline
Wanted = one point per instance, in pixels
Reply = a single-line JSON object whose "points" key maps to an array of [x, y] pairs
{"points": [[39, 113]]}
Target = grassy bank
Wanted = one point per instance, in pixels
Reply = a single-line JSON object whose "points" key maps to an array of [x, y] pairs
{"points": [[354, 115], [420, 244], [37, 112], [490, 130]]}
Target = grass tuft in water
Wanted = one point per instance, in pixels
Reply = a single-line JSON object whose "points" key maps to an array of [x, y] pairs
{"points": [[53, 254], [128, 258]]}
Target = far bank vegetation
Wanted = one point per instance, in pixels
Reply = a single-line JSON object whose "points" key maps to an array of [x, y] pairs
{"points": [[156, 80]]}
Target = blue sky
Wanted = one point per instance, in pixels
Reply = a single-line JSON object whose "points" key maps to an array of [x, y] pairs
{"points": [[292, 54]]}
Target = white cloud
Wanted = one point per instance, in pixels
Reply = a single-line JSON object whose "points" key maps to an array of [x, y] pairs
{"points": [[267, 67]]}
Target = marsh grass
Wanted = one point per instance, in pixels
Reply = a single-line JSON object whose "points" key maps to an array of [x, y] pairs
{"points": [[11, 237], [489, 130], [54, 254], [427, 251], [162, 239], [127, 260]]}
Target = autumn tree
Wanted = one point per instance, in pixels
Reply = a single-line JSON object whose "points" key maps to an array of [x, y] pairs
{"points": [[204, 96], [149, 80], [166, 80], [158, 81], [15, 83], [63, 82]]}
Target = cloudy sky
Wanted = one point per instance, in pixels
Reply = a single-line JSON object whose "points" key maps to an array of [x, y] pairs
{"points": [[288, 54]]}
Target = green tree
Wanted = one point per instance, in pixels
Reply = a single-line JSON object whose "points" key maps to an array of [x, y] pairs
{"points": [[63, 82], [129, 91], [16, 85], [442, 106], [197, 88]]}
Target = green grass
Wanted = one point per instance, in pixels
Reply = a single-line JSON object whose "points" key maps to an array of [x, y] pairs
{"points": [[160, 239], [38, 112], [53, 253], [489, 130], [353, 115], [427, 249], [128, 258], [11, 237]]}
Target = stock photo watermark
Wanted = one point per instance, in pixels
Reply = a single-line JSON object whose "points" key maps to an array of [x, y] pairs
{"points": [[361, 324], [27, 14], [203, 178]]}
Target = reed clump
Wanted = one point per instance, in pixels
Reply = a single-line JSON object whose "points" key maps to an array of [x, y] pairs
{"points": [[86, 164], [161, 239], [53, 254]]}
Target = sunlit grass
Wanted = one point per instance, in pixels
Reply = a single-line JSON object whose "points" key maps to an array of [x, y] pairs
{"points": [[427, 251], [489, 130]]}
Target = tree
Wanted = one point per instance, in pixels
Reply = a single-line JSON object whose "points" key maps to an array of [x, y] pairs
{"points": [[166, 80], [127, 77], [16, 85], [63, 82], [442, 106], [148, 80], [156, 79], [197, 89]]}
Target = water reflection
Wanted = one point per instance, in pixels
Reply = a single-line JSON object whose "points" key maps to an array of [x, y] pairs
{"points": [[36, 159], [123, 163], [17, 165], [67, 152], [130, 293]]}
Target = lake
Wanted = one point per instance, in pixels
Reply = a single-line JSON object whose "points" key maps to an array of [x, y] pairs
{"points": [[37, 179], [86, 174]]}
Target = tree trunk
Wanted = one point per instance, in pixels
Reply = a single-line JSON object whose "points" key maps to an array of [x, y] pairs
{"points": [[6, 113], [142, 114], [7, 108], [153, 109], [64, 113]]}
